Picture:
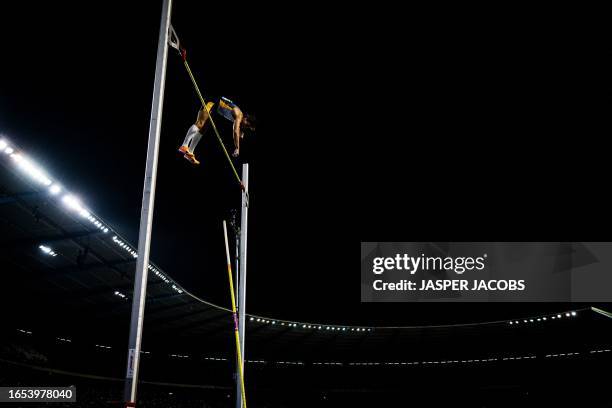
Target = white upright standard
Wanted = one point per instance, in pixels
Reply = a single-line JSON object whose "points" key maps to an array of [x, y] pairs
{"points": [[146, 213], [243, 271]]}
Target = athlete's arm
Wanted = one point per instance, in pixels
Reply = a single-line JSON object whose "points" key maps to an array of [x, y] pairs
{"points": [[237, 133]]}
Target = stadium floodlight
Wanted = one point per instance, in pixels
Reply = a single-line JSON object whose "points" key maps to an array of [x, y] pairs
{"points": [[9, 150], [573, 313], [55, 189], [72, 202], [46, 250], [567, 314], [31, 169], [558, 316], [3, 144]]}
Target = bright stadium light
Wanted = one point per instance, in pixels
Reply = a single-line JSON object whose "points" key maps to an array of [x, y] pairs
{"points": [[55, 189], [573, 313], [9, 150], [3, 144], [31, 169], [46, 250], [72, 202]]}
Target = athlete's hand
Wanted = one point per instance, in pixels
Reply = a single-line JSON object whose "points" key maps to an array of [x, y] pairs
{"points": [[236, 153]]}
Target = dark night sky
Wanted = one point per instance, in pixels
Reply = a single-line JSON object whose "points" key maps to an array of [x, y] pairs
{"points": [[411, 132]]}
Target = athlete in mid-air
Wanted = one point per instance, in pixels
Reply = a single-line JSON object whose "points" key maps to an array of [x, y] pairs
{"points": [[228, 110]]}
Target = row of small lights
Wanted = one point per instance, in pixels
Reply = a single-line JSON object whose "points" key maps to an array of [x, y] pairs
{"points": [[125, 247], [405, 363], [544, 318], [310, 326], [47, 250], [25, 165], [562, 355], [368, 329], [121, 295], [159, 274], [152, 268], [74, 204], [364, 363]]}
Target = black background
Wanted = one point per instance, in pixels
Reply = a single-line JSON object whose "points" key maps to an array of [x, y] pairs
{"points": [[424, 126]]}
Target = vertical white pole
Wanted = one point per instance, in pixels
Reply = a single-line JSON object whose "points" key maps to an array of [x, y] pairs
{"points": [[146, 213], [243, 272]]}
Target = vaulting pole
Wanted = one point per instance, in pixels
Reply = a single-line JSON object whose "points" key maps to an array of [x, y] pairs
{"points": [[234, 315], [243, 272], [146, 213]]}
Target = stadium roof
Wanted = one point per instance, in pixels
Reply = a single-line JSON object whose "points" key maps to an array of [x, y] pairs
{"points": [[68, 268], [59, 249]]}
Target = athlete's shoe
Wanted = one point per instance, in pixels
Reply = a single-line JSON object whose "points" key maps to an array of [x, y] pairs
{"points": [[191, 157], [183, 149]]}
